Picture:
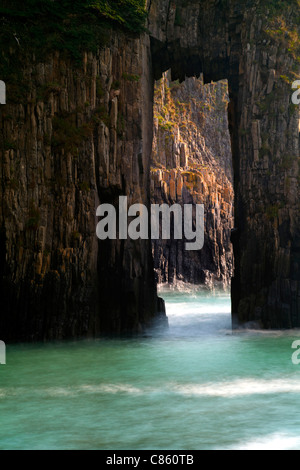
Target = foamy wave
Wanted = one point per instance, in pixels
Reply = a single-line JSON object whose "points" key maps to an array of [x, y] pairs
{"points": [[110, 388], [193, 289], [234, 389], [59, 392], [295, 333], [185, 311], [239, 388], [275, 441], [66, 392]]}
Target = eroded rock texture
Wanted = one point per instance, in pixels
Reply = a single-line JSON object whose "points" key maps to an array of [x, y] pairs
{"points": [[192, 164], [81, 136], [256, 48]]}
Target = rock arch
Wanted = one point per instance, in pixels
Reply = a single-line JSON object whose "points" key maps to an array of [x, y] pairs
{"points": [[226, 39], [2, 353]]}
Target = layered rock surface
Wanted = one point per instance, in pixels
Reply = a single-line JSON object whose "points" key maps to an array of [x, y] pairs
{"points": [[78, 139], [192, 164]]}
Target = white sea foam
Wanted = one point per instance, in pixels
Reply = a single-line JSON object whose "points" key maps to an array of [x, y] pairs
{"points": [[276, 441], [199, 311], [239, 388], [234, 389], [109, 388], [59, 392]]}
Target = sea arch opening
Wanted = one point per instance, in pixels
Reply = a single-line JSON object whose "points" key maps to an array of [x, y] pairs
{"points": [[194, 141], [192, 164], [225, 40]]}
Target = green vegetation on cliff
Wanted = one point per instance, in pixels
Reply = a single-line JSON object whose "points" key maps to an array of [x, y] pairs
{"points": [[32, 29], [72, 26], [278, 7]]}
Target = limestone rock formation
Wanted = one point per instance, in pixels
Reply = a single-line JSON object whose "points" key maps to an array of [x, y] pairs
{"points": [[192, 164]]}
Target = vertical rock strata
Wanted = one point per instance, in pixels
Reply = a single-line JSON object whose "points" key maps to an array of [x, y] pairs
{"points": [[80, 138], [192, 164]]}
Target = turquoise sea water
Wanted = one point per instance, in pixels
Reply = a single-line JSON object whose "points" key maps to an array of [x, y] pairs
{"points": [[196, 386]]}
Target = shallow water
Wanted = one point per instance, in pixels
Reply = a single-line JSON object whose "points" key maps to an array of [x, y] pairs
{"points": [[195, 386]]}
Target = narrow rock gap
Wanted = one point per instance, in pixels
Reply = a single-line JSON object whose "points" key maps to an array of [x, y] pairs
{"points": [[192, 164]]}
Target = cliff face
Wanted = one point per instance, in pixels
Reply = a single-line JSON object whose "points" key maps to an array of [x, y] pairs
{"points": [[74, 136], [192, 164], [78, 139]]}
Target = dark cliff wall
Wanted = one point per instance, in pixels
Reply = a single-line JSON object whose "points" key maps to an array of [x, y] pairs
{"points": [[192, 164], [78, 137]]}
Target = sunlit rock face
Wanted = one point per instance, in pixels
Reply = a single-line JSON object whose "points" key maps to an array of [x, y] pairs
{"points": [[83, 136], [192, 164]]}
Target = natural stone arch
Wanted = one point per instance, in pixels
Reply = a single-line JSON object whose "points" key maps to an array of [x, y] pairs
{"points": [[224, 39]]}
